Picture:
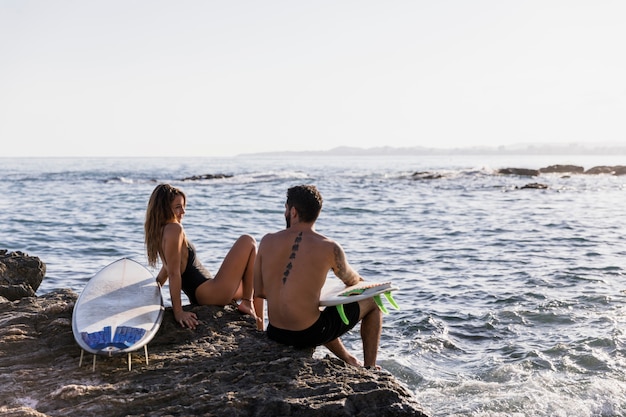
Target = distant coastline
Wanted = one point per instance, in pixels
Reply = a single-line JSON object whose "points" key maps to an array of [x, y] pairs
{"points": [[521, 149]]}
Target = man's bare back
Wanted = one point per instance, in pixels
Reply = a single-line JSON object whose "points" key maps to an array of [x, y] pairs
{"points": [[294, 274], [289, 272]]}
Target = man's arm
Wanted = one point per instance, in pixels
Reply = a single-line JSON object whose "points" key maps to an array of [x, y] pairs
{"points": [[342, 269]]}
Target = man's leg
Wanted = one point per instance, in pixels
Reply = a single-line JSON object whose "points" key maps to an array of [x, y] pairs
{"points": [[337, 347], [371, 328]]}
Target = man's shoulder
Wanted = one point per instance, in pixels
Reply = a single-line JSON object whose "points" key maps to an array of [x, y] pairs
{"points": [[288, 236], [323, 239], [269, 238], [272, 235]]}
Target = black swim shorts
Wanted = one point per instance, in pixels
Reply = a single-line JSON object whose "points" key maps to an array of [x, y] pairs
{"points": [[328, 327]]}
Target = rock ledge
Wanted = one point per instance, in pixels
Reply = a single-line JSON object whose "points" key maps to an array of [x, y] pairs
{"points": [[223, 368]]}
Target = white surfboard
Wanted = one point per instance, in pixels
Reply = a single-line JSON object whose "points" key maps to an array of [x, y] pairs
{"points": [[336, 294], [119, 310]]}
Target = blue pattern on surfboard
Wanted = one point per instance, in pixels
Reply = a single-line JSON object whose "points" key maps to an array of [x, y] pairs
{"points": [[124, 337]]}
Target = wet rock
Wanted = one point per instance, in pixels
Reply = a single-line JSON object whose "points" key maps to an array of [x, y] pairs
{"points": [[603, 169], [569, 169], [425, 175], [206, 177], [534, 186], [223, 368], [20, 274], [524, 172], [575, 169], [600, 170]]}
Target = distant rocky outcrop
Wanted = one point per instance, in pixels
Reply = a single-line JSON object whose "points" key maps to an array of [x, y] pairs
{"points": [[426, 175], [534, 186], [564, 169], [569, 169], [612, 170], [206, 177], [523, 172], [20, 274], [225, 367]]}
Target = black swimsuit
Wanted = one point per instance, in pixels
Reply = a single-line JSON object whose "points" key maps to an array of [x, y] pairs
{"points": [[194, 275], [328, 327]]}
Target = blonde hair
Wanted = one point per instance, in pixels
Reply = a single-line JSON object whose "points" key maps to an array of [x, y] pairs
{"points": [[158, 213]]}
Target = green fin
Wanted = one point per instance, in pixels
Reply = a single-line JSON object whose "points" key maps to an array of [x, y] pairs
{"points": [[391, 300], [342, 314], [380, 305]]}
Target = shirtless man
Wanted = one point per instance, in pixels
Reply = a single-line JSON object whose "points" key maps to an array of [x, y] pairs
{"points": [[290, 269]]}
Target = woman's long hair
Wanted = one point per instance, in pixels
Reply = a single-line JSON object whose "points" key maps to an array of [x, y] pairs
{"points": [[158, 213]]}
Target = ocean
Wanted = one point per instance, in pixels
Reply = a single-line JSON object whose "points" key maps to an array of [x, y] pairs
{"points": [[513, 301]]}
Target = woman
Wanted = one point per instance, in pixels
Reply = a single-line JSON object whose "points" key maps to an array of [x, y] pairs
{"points": [[165, 239]]}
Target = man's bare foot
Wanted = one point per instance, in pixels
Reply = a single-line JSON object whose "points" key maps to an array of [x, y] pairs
{"points": [[246, 307], [351, 360], [259, 323]]}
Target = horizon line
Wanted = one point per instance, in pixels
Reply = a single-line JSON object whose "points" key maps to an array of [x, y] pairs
{"points": [[576, 148]]}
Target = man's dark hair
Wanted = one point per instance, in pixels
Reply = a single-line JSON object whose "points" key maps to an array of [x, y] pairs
{"points": [[307, 200]]}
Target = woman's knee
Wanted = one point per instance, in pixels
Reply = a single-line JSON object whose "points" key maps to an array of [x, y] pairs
{"points": [[247, 240]]}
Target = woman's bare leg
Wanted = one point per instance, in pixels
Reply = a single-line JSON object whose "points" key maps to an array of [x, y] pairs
{"points": [[249, 304], [234, 279]]}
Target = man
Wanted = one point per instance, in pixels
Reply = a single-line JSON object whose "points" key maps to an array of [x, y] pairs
{"points": [[289, 272]]}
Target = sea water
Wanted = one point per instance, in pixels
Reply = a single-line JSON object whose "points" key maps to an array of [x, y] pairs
{"points": [[513, 301]]}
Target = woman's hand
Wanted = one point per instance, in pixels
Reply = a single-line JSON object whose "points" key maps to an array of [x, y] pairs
{"points": [[187, 319]]}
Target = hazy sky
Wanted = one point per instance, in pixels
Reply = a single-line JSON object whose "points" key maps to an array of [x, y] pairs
{"points": [[214, 78]]}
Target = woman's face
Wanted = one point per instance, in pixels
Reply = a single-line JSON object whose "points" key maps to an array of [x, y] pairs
{"points": [[178, 208]]}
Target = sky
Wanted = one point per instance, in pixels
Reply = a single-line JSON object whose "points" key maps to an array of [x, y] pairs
{"points": [[221, 78]]}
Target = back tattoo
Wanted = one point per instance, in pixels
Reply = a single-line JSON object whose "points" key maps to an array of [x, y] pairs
{"points": [[294, 249]]}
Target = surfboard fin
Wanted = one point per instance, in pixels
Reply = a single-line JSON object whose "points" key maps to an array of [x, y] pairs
{"points": [[391, 300], [380, 305], [342, 314], [378, 302]]}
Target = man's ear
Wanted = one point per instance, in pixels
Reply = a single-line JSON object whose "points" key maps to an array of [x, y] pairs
{"points": [[293, 212]]}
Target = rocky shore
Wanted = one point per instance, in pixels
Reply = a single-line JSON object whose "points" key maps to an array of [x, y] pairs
{"points": [[565, 169], [223, 368]]}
